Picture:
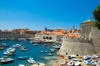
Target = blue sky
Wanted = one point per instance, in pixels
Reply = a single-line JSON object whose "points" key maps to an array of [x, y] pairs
{"points": [[36, 14]]}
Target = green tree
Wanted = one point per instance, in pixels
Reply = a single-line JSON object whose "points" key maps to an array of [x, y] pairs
{"points": [[96, 16]]}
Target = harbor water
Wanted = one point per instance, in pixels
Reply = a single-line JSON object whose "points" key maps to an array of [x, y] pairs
{"points": [[33, 51]]}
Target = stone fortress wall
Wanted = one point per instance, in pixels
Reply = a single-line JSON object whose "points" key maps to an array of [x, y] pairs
{"points": [[15, 36], [87, 44]]}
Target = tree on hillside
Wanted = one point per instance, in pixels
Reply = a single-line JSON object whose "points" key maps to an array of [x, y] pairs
{"points": [[96, 16]]}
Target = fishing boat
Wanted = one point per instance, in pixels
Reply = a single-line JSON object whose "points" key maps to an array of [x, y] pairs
{"points": [[31, 61], [43, 51], [20, 65], [6, 60], [35, 44], [22, 57], [49, 54]]}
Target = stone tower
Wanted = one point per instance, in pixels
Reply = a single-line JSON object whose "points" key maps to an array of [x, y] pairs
{"points": [[45, 29], [73, 29], [85, 28]]}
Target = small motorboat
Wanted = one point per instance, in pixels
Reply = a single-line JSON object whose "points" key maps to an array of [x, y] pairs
{"points": [[31, 61], [20, 65], [49, 54], [43, 51], [39, 64], [70, 63], [4, 45], [6, 60], [46, 44], [23, 49], [35, 44], [22, 57], [17, 46]]}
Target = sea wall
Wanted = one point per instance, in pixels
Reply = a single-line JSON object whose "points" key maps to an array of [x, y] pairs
{"points": [[95, 35], [15, 36], [72, 45]]}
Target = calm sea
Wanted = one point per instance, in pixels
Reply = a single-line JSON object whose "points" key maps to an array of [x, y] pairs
{"points": [[33, 51]]}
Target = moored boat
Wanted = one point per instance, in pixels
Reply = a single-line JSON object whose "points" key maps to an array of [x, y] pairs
{"points": [[22, 57], [43, 51], [49, 54], [31, 61], [35, 44], [20, 65], [6, 60]]}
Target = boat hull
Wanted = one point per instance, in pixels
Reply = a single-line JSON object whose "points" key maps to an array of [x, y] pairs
{"points": [[7, 61]]}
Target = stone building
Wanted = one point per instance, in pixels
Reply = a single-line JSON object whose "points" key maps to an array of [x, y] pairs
{"points": [[85, 28], [84, 45]]}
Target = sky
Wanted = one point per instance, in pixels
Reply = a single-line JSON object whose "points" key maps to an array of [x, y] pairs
{"points": [[36, 14]]}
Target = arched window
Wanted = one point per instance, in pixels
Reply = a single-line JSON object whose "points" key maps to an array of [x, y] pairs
{"points": [[50, 38], [44, 37]]}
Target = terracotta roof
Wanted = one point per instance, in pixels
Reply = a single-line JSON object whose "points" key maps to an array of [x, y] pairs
{"points": [[58, 33], [37, 30], [46, 32], [89, 20], [74, 35]]}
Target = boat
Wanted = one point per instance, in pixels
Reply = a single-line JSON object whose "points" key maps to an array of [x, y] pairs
{"points": [[46, 44], [1, 48], [43, 51], [52, 49], [70, 63], [20, 65], [9, 53], [35, 44], [92, 56], [17, 46], [6, 60], [39, 64], [31, 61], [22, 57], [57, 47], [23, 49], [4, 45], [49, 54]]}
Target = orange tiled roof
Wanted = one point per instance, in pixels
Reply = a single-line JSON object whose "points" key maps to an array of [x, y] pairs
{"points": [[58, 33], [46, 32], [74, 35], [37, 30]]}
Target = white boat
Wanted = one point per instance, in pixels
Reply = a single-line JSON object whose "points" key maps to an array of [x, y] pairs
{"points": [[92, 56], [57, 47], [23, 49], [70, 63], [17, 46], [6, 60], [20, 65], [49, 54], [35, 44], [31, 61], [43, 51]]}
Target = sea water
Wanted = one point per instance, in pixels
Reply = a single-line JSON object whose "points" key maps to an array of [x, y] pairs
{"points": [[33, 51]]}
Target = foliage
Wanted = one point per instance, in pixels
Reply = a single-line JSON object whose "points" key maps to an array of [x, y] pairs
{"points": [[96, 16]]}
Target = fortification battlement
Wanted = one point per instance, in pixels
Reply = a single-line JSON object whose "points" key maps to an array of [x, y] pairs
{"points": [[75, 39]]}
